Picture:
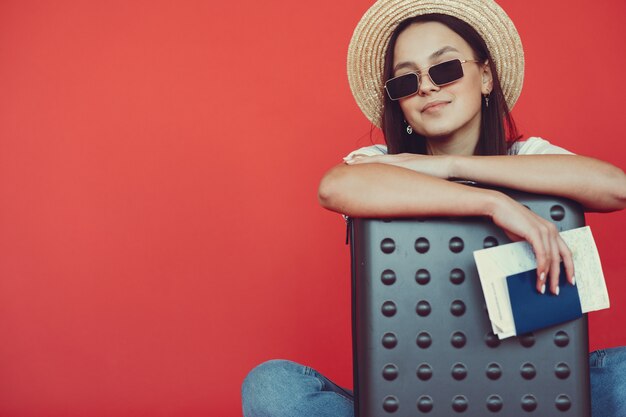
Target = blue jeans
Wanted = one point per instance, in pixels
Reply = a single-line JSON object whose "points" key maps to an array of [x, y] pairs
{"points": [[281, 388]]}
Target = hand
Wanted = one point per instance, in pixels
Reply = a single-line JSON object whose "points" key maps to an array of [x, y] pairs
{"points": [[437, 166], [520, 223]]}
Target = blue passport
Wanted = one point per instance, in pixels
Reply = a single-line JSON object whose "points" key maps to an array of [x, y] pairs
{"points": [[534, 311]]}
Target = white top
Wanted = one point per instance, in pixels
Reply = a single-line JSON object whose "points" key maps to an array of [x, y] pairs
{"points": [[532, 146]]}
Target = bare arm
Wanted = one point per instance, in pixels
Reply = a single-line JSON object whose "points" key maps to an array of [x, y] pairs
{"points": [[384, 190], [597, 185], [378, 190]]}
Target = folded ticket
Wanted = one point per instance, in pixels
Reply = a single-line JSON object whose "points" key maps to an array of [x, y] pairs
{"points": [[497, 263]]}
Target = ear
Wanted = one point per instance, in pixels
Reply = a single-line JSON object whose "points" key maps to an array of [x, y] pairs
{"points": [[486, 77]]}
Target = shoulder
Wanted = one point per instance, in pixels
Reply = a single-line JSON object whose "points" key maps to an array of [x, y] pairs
{"points": [[537, 146], [369, 151]]}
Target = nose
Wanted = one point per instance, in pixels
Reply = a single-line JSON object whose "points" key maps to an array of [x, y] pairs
{"points": [[426, 85]]}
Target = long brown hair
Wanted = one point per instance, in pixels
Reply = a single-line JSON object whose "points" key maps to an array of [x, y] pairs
{"points": [[497, 127]]}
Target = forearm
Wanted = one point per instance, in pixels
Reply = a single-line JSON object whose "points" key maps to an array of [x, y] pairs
{"points": [[379, 190], [384, 190], [597, 185]]}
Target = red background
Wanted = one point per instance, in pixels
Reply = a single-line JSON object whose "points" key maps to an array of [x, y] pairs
{"points": [[159, 161]]}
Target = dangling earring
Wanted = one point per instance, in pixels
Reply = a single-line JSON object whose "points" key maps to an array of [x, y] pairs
{"points": [[409, 129], [487, 100]]}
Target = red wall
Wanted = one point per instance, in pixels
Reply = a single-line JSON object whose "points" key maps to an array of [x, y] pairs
{"points": [[159, 160]]}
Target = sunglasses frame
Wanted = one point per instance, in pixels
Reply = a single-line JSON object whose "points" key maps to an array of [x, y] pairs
{"points": [[418, 74]]}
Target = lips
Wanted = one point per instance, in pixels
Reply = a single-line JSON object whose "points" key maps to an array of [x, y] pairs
{"points": [[434, 105]]}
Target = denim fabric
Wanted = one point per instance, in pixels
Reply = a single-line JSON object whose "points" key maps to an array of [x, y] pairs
{"points": [[607, 369], [281, 388]]}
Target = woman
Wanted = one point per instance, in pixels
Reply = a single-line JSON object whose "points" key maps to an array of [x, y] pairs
{"points": [[440, 81]]}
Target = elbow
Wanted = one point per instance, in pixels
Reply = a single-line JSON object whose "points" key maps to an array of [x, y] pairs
{"points": [[616, 191], [614, 194], [327, 191], [330, 189], [620, 192]]}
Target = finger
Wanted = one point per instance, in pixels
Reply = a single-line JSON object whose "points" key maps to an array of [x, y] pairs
{"points": [[539, 249], [568, 260], [357, 156], [546, 268], [555, 265], [358, 159]]}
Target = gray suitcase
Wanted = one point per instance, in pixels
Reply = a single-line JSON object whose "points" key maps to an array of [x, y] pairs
{"points": [[422, 340]]}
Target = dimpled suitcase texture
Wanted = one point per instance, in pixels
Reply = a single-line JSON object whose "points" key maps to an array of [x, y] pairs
{"points": [[422, 340]]}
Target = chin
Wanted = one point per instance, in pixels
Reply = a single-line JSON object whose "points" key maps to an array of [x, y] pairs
{"points": [[443, 129], [437, 133]]}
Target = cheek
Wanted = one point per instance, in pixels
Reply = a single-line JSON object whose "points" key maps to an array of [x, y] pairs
{"points": [[473, 99], [468, 97], [470, 90], [411, 106], [474, 88]]}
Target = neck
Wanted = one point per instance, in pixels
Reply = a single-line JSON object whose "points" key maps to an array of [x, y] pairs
{"points": [[450, 146]]}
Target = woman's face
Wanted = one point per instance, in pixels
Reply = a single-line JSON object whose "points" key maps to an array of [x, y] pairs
{"points": [[449, 112]]}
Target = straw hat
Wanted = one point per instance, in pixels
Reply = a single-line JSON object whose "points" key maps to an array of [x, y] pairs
{"points": [[366, 53]]}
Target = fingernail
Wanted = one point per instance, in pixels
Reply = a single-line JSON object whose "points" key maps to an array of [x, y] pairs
{"points": [[543, 288], [543, 276], [558, 290], [573, 280]]}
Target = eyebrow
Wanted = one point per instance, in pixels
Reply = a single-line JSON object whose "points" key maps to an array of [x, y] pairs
{"points": [[432, 56]]}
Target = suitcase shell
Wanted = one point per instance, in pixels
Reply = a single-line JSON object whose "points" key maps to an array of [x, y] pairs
{"points": [[422, 340]]}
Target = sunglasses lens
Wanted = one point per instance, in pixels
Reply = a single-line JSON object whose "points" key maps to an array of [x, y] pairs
{"points": [[402, 86], [446, 72]]}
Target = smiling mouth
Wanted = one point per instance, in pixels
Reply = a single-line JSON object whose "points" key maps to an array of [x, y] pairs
{"points": [[434, 106]]}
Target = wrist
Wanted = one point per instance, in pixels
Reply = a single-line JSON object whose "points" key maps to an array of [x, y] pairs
{"points": [[455, 167], [493, 202]]}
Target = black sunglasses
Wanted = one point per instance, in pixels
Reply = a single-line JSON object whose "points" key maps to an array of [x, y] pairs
{"points": [[440, 74]]}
